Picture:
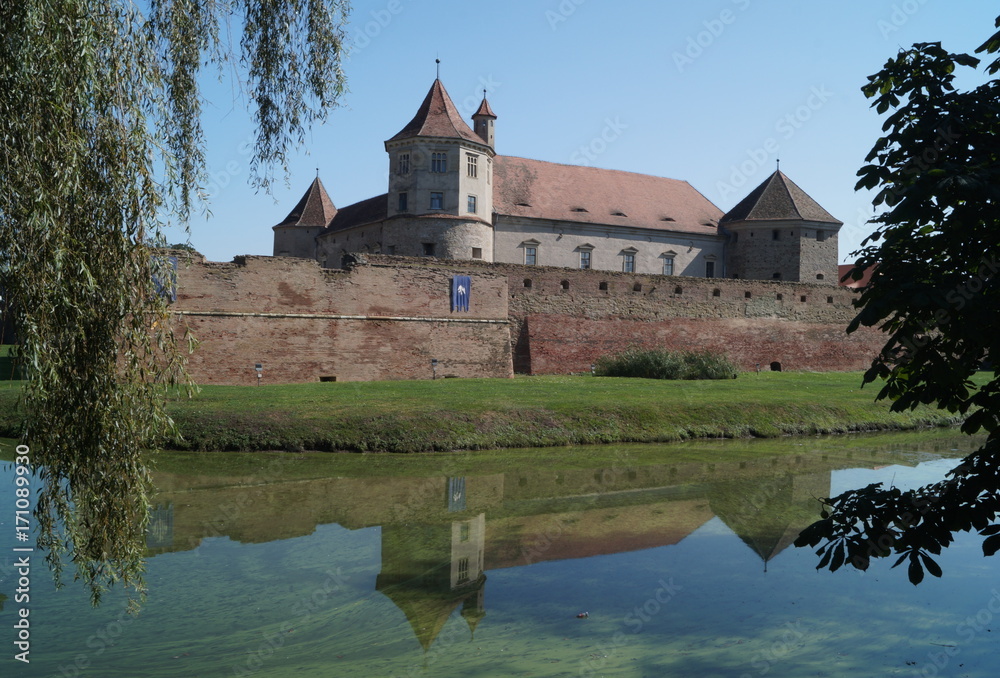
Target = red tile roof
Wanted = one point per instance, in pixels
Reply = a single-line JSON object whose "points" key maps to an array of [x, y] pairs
{"points": [[437, 117], [314, 209], [845, 269], [484, 109], [546, 190], [778, 199]]}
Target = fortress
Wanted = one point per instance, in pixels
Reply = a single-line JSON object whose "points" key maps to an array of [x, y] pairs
{"points": [[475, 264]]}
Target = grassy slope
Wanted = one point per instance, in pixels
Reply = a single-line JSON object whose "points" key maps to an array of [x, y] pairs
{"points": [[448, 414]]}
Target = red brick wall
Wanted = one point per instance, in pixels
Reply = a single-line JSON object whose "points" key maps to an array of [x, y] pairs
{"points": [[407, 321], [560, 344], [562, 323]]}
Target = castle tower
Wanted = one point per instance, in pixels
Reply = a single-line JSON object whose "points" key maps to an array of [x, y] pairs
{"points": [[779, 233], [440, 200], [483, 123], [296, 235]]}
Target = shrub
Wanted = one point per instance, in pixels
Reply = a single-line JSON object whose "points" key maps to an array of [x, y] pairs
{"points": [[663, 364]]}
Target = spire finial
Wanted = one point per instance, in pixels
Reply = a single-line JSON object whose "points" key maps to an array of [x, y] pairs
{"points": [[317, 172], [438, 62], [484, 92], [779, 164]]}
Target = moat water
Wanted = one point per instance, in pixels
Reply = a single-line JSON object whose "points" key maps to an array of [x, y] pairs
{"points": [[672, 560]]}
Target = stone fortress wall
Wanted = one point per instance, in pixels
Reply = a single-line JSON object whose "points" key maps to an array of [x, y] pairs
{"points": [[387, 317]]}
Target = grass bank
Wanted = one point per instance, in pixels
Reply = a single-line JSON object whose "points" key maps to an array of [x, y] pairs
{"points": [[454, 414]]}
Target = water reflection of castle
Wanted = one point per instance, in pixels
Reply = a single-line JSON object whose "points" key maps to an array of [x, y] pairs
{"points": [[441, 534]]}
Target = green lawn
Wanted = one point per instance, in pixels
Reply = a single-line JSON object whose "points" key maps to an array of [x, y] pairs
{"points": [[449, 414]]}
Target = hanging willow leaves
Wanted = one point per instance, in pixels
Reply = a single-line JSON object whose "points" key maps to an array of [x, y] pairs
{"points": [[100, 144]]}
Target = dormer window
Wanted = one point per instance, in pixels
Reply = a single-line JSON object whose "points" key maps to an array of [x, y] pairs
{"points": [[577, 209], [667, 219], [618, 214]]}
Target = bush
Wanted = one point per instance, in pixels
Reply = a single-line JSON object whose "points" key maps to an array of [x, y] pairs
{"points": [[663, 364]]}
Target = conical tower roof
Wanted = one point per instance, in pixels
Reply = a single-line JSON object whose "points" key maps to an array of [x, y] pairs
{"points": [[778, 199], [437, 117], [314, 209], [484, 109]]}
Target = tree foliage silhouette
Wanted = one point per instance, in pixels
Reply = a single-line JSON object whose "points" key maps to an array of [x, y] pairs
{"points": [[936, 295]]}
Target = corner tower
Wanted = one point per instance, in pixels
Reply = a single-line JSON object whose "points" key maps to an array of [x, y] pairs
{"points": [[296, 235], [440, 200], [779, 233]]}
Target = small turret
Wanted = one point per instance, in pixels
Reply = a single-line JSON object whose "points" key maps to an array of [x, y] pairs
{"points": [[483, 122]]}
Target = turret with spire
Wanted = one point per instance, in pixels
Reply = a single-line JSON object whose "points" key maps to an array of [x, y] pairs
{"points": [[483, 122]]}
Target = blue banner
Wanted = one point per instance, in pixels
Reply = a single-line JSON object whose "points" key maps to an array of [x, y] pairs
{"points": [[461, 286]]}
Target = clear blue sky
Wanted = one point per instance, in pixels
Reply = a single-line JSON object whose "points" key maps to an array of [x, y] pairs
{"points": [[701, 91]]}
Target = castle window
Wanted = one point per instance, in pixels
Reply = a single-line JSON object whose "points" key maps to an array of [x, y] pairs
{"points": [[820, 236], [402, 202], [489, 170], [477, 252], [637, 287], [463, 571], [776, 276], [628, 262], [829, 300], [802, 298], [668, 266], [819, 276], [747, 295], [779, 297], [403, 163], [709, 269], [428, 249], [736, 238], [472, 204], [678, 290], [437, 200], [439, 162], [775, 234], [527, 283], [530, 256], [391, 250], [472, 164], [564, 284], [716, 292], [585, 258], [463, 532], [603, 286]]}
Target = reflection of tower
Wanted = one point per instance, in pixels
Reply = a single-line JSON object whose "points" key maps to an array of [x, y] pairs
{"points": [[428, 571], [160, 530], [468, 542], [768, 513]]}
